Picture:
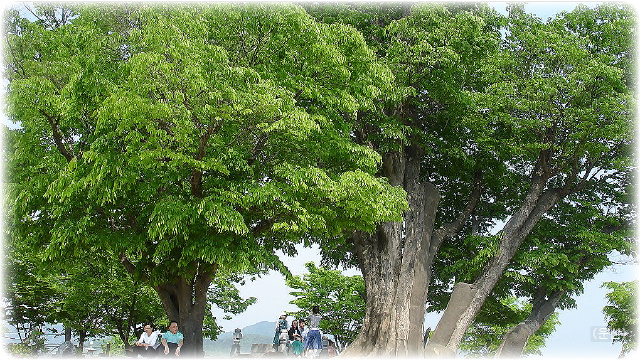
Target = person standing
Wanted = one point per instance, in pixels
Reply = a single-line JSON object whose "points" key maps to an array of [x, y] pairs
{"points": [[280, 325], [313, 342], [146, 345], [172, 340]]}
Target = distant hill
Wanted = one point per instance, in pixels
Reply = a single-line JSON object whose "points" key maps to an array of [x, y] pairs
{"points": [[260, 333]]}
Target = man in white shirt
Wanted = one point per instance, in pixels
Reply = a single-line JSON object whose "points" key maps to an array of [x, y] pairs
{"points": [[147, 344]]}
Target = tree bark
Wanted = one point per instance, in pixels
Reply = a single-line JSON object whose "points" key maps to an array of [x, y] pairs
{"points": [[395, 267], [467, 299], [396, 262], [185, 301], [516, 339]]}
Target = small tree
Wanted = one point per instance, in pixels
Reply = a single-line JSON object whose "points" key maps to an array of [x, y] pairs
{"points": [[622, 313], [341, 300]]}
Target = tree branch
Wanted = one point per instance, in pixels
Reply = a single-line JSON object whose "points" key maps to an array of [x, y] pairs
{"points": [[450, 229], [57, 136]]}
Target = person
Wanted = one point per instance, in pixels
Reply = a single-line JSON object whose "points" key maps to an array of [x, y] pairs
{"points": [[331, 349], [172, 340], [293, 330], [297, 346], [280, 325], [147, 344], [313, 342], [303, 330]]}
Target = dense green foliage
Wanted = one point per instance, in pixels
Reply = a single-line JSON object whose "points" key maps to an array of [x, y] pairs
{"points": [[187, 140], [188, 143], [340, 298], [622, 313]]}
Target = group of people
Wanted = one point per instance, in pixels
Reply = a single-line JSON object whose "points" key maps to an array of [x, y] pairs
{"points": [[302, 340], [153, 343]]}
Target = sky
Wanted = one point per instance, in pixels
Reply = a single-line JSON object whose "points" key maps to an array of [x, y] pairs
{"points": [[579, 335]]}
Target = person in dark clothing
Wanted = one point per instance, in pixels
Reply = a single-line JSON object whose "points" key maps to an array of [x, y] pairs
{"points": [[293, 330]]}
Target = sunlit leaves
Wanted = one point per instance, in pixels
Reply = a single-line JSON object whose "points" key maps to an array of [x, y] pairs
{"points": [[340, 299], [622, 313], [196, 133]]}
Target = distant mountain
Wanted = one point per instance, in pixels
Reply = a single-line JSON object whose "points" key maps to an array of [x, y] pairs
{"points": [[261, 328], [260, 333]]}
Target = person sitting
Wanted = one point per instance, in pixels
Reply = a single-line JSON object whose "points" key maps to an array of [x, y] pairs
{"points": [[293, 330], [147, 344], [297, 346], [172, 340]]}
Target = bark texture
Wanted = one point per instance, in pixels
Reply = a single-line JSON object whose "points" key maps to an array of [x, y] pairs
{"points": [[396, 263], [516, 339], [185, 301]]}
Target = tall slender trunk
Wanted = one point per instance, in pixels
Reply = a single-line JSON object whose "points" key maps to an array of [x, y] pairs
{"points": [[467, 299], [185, 301], [516, 339]]}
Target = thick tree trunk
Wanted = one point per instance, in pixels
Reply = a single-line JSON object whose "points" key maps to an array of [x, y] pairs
{"points": [[396, 262], [467, 299], [516, 339], [185, 301], [395, 268]]}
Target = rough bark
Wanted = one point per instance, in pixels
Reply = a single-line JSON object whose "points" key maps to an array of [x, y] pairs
{"points": [[464, 305], [516, 339], [185, 301], [394, 265]]}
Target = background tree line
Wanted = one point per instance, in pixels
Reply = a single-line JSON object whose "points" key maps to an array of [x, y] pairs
{"points": [[458, 157]]}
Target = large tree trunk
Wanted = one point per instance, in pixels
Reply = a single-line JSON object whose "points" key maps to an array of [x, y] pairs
{"points": [[396, 262], [467, 299], [395, 267], [185, 301], [516, 339]]}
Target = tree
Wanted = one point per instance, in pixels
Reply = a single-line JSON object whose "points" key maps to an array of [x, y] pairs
{"points": [[29, 299], [487, 128], [579, 107], [622, 313], [190, 140], [417, 133], [340, 299]]}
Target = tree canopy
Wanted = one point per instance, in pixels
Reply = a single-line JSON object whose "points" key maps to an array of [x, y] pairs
{"points": [[340, 298], [622, 313], [187, 139], [453, 154]]}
